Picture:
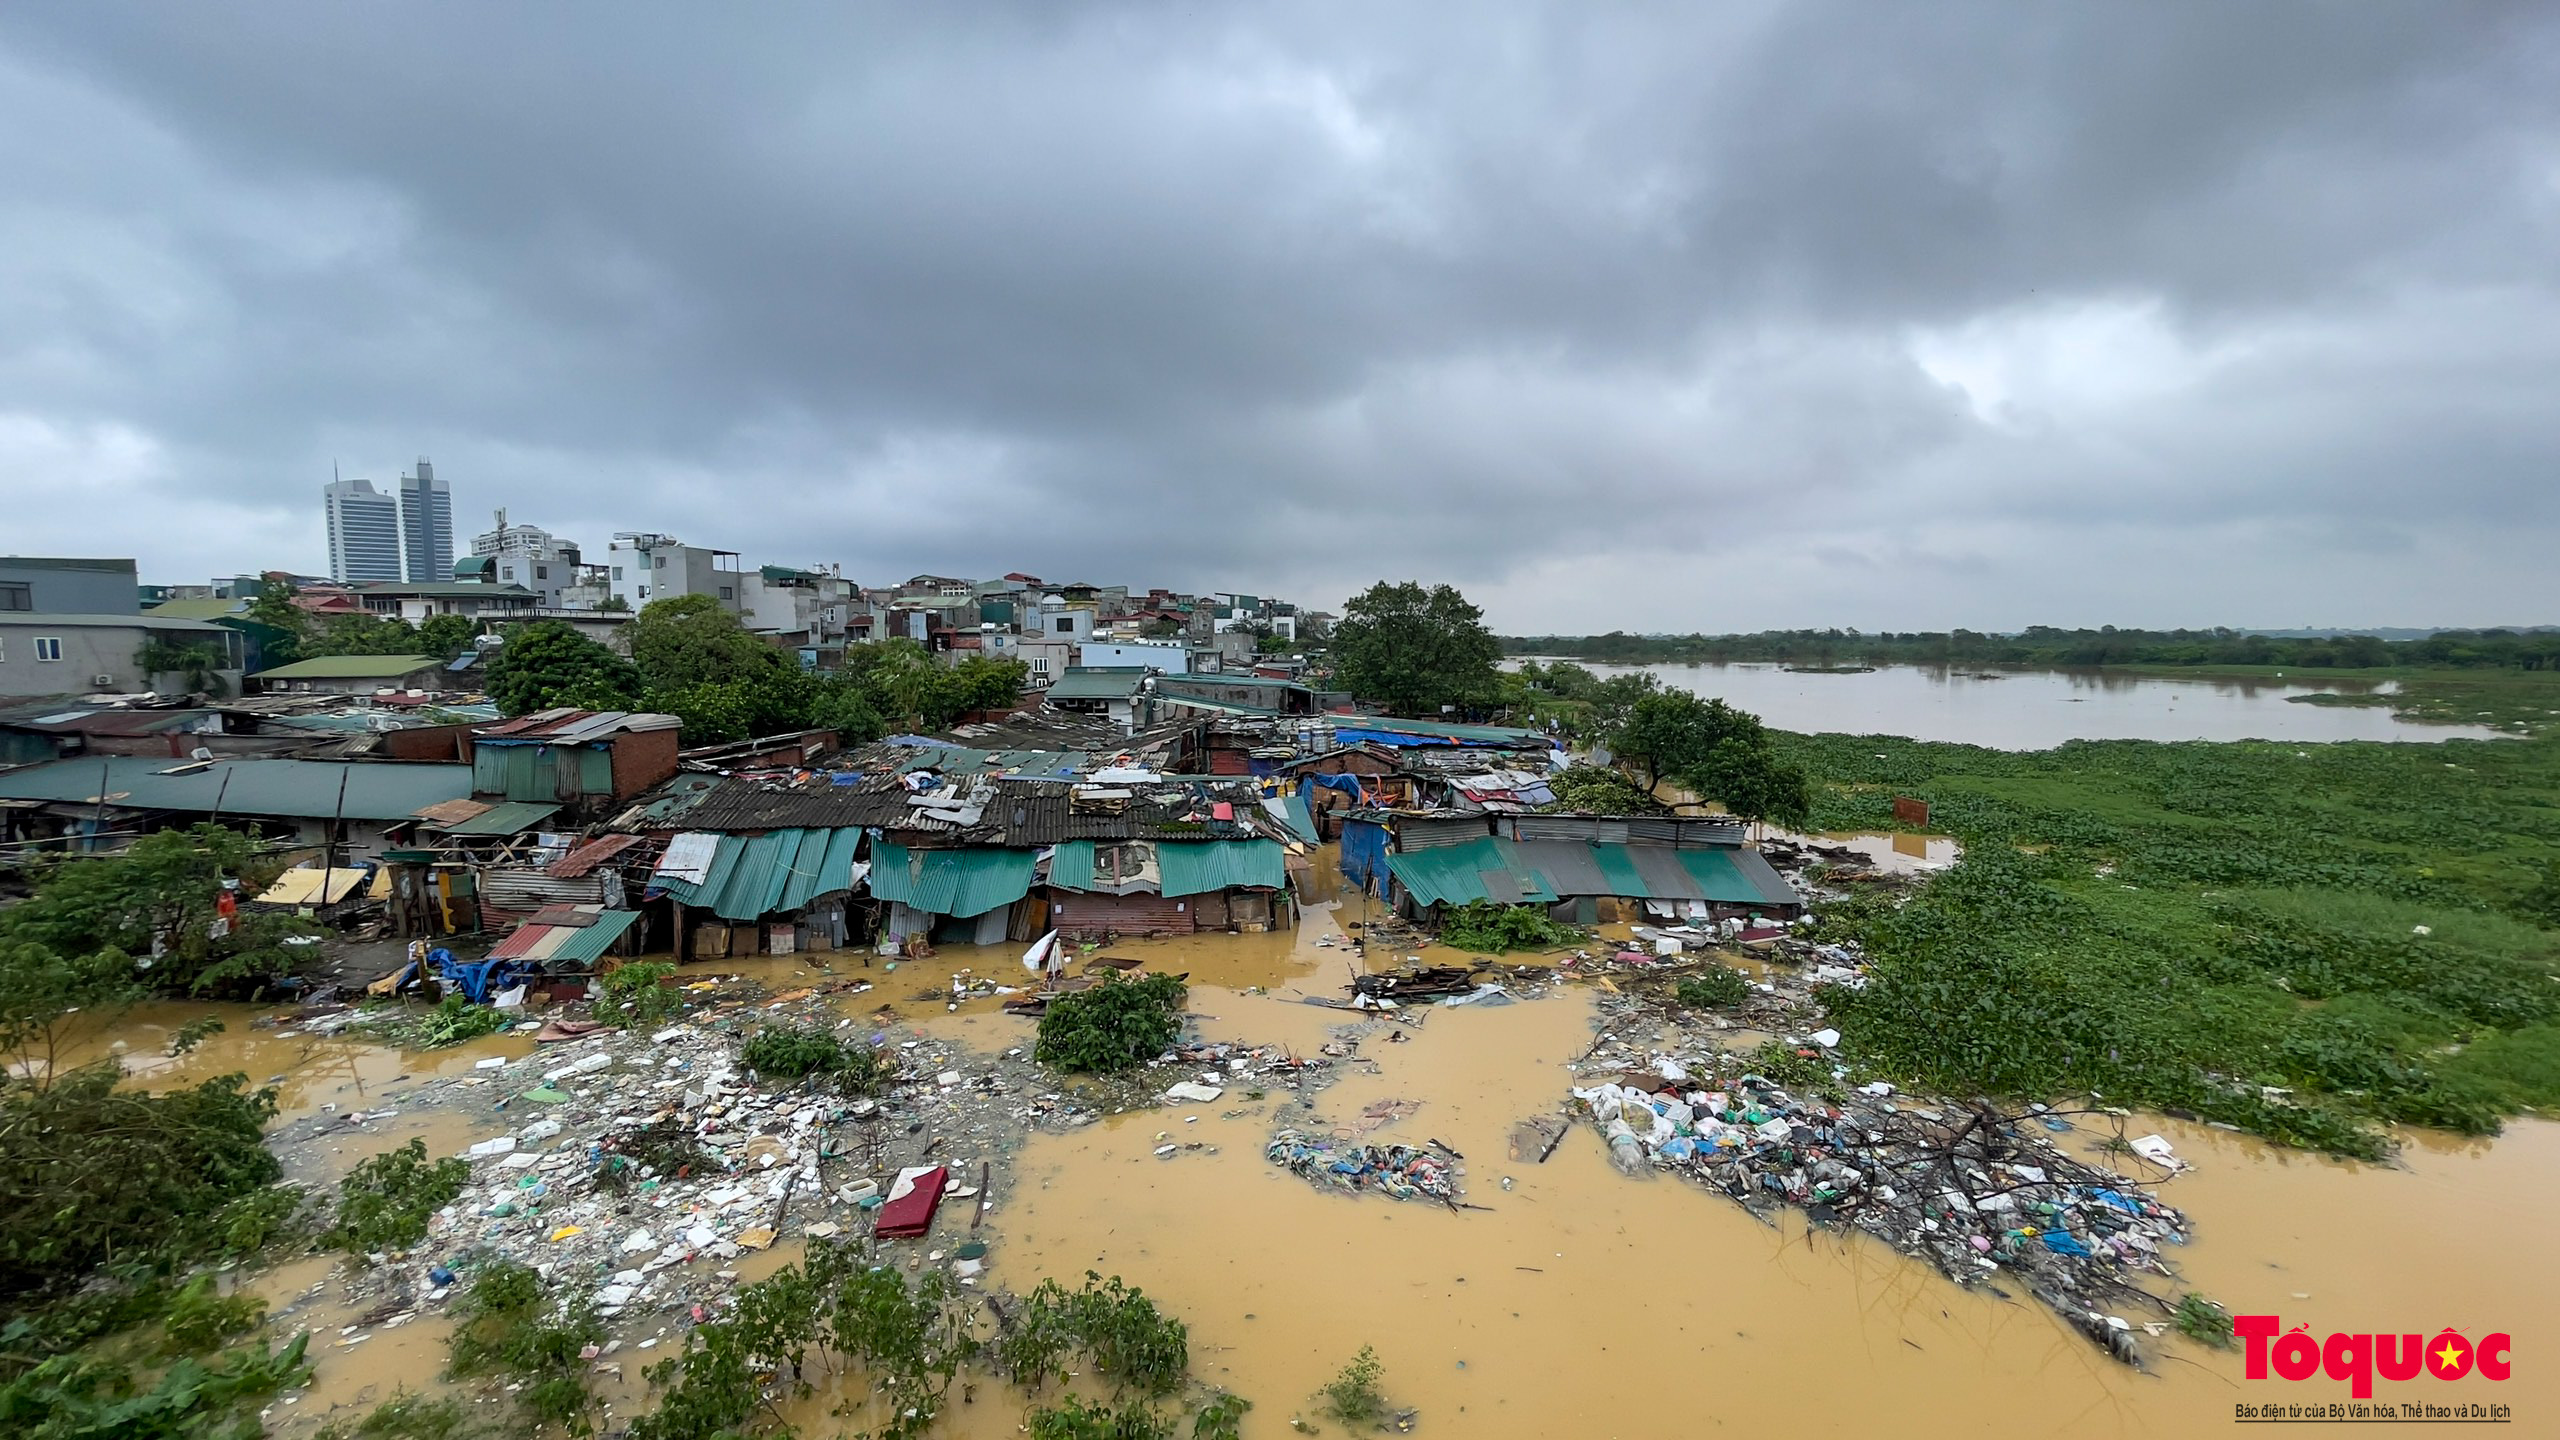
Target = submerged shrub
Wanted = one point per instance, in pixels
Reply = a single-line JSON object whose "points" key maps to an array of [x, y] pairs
{"points": [[1712, 989], [630, 996], [1117, 1025], [384, 1202]]}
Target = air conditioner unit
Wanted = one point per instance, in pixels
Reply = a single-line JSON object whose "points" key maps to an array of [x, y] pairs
{"points": [[102, 681]]}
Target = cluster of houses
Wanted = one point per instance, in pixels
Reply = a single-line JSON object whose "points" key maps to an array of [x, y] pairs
{"points": [[1166, 774], [82, 627]]}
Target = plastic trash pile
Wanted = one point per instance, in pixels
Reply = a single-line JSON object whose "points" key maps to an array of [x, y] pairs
{"points": [[1982, 1196], [1400, 1171]]}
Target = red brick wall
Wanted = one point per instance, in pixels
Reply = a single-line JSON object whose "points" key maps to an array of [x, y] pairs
{"points": [[642, 758]]}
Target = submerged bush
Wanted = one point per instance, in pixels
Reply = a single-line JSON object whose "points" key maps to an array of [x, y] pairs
{"points": [[1712, 989], [789, 1052], [630, 996], [384, 1202], [510, 1328], [1117, 1025], [1352, 1397], [1483, 925]]}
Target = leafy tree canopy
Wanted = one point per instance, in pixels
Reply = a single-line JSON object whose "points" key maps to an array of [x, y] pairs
{"points": [[447, 636], [688, 640], [364, 635], [547, 664], [1414, 649], [92, 918]]}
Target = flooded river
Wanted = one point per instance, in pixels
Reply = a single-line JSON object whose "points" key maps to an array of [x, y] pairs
{"points": [[1581, 1302], [2038, 709]]}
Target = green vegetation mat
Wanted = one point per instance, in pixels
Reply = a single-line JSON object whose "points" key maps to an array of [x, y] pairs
{"points": [[2299, 939]]}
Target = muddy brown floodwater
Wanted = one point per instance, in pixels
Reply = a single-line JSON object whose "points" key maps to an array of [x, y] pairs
{"points": [[1582, 1303], [1588, 1304]]}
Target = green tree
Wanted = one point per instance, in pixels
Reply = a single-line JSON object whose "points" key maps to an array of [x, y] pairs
{"points": [[547, 664], [365, 635], [447, 636], [159, 899], [688, 640], [983, 682], [1672, 732], [897, 677], [1750, 781], [1414, 649], [288, 625], [197, 664]]}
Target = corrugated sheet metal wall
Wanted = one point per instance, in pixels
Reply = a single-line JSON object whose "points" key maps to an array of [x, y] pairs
{"points": [[1425, 834], [1121, 914], [533, 889]]}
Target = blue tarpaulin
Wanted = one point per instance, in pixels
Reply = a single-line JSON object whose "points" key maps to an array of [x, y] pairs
{"points": [[1364, 855]]}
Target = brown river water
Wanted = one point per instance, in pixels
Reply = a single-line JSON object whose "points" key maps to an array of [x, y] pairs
{"points": [[1582, 1303]]}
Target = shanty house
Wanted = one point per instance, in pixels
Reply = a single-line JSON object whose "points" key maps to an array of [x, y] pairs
{"points": [[358, 807], [585, 760], [354, 674], [1584, 868]]}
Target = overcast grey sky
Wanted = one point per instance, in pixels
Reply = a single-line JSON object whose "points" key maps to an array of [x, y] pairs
{"points": [[1646, 316]]}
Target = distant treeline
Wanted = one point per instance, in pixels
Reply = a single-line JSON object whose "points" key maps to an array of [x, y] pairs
{"points": [[2045, 645]]}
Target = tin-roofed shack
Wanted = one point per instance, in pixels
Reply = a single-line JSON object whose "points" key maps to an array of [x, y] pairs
{"points": [[587, 761], [355, 808], [1584, 868], [945, 844]]}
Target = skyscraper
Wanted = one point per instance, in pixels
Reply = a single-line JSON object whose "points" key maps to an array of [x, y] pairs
{"points": [[426, 526], [364, 532]]}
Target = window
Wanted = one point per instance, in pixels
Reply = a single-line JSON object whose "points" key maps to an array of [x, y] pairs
{"points": [[541, 572], [644, 592], [14, 596], [728, 592], [1040, 664], [1066, 625], [48, 647], [617, 572], [660, 561]]}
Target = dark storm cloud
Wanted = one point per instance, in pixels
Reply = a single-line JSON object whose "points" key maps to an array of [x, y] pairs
{"points": [[1919, 314]]}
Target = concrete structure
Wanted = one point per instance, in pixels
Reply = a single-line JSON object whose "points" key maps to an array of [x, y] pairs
{"points": [[68, 586], [426, 527], [1057, 619], [1165, 659], [646, 567], [364, 532], [74, 654], [414, 603], [809, 607], [532, 557]]}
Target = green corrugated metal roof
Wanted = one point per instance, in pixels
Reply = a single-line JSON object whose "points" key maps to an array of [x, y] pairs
{"points": [[511, 818], [1116, 682], [1723, 880], [1301, 822], [1197, 867], [1071, 865], [1454, 874], [1618, 868], [752, 876], [351, 667], [198, 609], [309, 789], [586, 944], [969, 881]]}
